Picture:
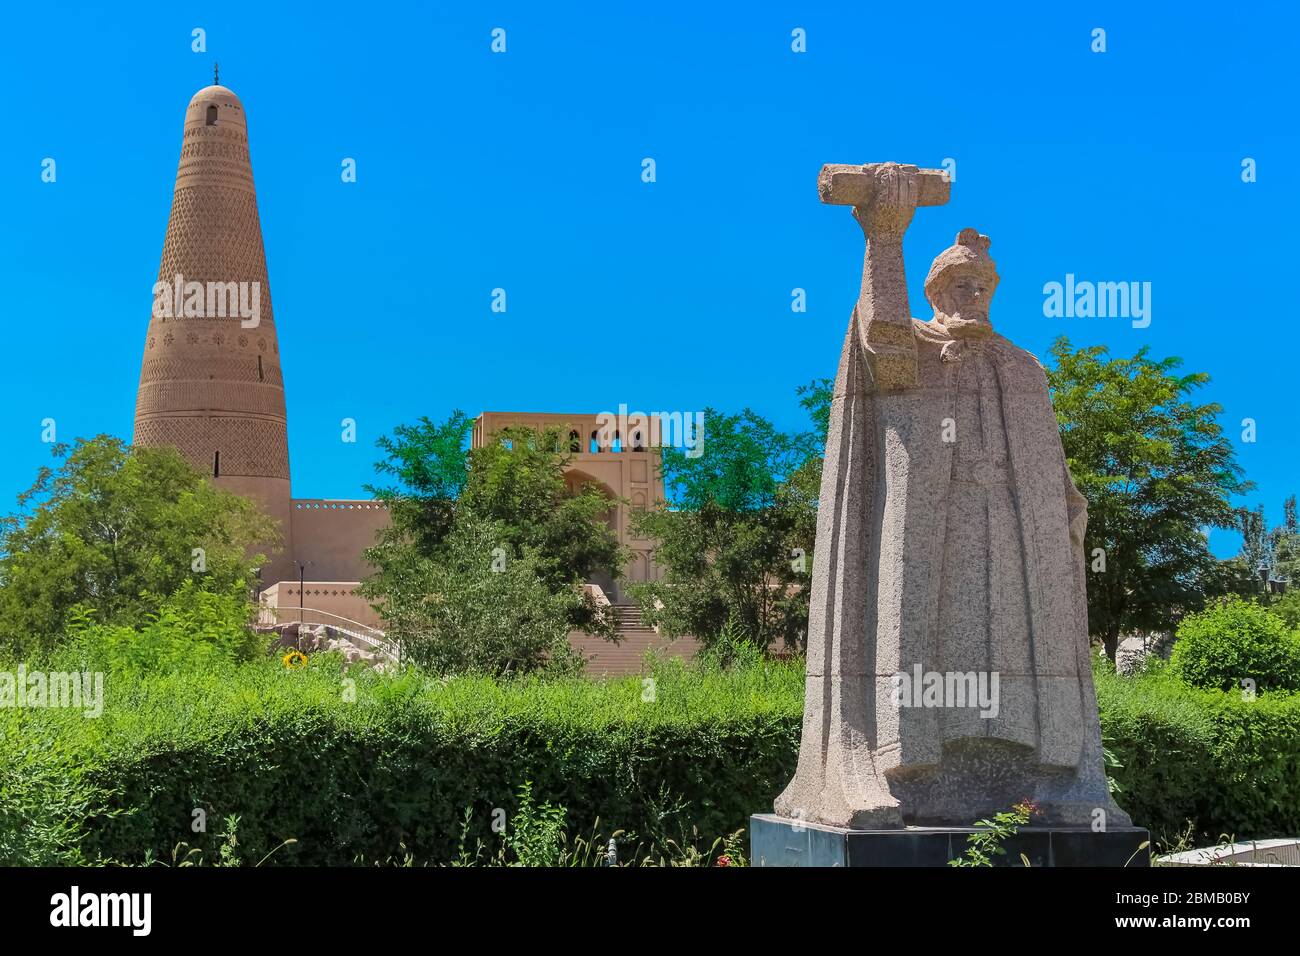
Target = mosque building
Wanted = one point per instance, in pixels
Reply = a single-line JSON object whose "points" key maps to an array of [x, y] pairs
{"points": [[211, 386]]}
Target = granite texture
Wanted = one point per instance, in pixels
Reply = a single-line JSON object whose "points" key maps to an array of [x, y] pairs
{"points": [[949, 540]]}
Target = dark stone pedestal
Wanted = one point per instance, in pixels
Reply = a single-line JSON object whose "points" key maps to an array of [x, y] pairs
{"points": [[780, 841]]}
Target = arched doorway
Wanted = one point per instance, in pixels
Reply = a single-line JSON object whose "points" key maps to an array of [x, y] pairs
{"points": [[574, 481]]}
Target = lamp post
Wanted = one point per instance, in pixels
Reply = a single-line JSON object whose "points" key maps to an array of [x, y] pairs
{"points": [[302, 575]]}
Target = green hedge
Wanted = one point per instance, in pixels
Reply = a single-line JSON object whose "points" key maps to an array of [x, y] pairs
{"points": [[288, 753], [1227, 764], [398, 767]]}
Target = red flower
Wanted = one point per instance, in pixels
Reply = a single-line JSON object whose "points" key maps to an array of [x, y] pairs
{"points": [[1028, 806], [724, 860]]}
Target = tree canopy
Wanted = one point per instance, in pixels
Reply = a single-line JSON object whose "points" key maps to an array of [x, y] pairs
{"points": [[738, 550], [1157, 471], [483, 563], [116, 530]]}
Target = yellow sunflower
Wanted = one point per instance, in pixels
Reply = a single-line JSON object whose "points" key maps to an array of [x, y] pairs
{"points": [[295, 659]]}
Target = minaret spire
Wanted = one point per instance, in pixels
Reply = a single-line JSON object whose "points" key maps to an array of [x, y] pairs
{"points": [[210, 380], [216, 73]]}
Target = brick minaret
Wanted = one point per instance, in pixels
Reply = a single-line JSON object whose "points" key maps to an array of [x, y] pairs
{"points": [[211, 385]]}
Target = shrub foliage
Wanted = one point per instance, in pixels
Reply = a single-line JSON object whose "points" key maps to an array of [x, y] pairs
{"points": [[393, 770], [1236, 641], [293, 757], [115, 531]]}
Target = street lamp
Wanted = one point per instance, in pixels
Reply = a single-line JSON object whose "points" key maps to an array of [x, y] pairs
{"points": [[302, 574]]}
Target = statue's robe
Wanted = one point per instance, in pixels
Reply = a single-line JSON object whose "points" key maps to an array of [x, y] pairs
{"points": [[950, 535]]}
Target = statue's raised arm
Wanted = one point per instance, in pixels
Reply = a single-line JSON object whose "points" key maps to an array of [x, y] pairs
{"points": [[884, 196], [948, 668]]}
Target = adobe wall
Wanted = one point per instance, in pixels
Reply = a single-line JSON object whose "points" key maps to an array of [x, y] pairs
{"points": [[606, 659], [272, 496], [333, 597], [332, 533]]}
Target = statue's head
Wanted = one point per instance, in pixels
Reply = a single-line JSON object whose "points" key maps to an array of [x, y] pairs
{"points": [[961, 283]]}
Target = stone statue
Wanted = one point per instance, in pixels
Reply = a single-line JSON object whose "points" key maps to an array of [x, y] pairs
{"points": [[948, 658]]}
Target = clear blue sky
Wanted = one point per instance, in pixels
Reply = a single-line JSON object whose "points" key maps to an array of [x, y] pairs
{"points": [[523, 171]]}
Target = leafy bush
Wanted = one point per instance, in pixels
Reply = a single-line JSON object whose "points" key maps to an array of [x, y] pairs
{"points": [[731, 648], [192, 629], [1227, 763], [472, 609], [353, 771], [482, 566], [45, 798], [1287, 607], [355, 765], [116, 530], [1233, 641], [537, 836], [987, 842]]}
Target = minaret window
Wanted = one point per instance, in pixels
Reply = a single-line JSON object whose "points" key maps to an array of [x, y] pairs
{"points": [[259, 369], [216, 464], [212, 116]]}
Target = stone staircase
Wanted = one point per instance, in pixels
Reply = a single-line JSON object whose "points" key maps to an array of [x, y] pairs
{"points": [[635, 638], [628, 618]]}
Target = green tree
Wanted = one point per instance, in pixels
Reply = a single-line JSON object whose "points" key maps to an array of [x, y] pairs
{"points": [[1156, 470], [518, 481], [1268, 556], [1286, 546], [738, 551], [1255, 545], [470, 610], [815, 398], [427, 467], [1287, 607], [117, 530], [801, 492], [740, 465], [504, 509]]}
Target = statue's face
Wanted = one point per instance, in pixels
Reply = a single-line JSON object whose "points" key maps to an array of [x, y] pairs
{"points": [[967, 298]]}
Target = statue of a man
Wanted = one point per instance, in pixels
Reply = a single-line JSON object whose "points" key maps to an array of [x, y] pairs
{"points": [[948, 657]]}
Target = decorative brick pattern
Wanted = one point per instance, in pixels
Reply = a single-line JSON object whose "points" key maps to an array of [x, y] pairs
{"points": [[201, 388], [255, 447]]}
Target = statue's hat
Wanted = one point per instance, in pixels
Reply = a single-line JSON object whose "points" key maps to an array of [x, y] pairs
{"points": [[969, 253]]}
